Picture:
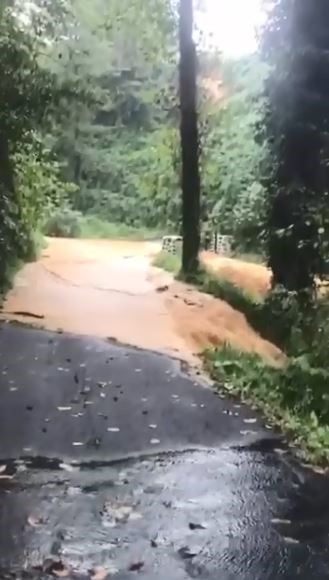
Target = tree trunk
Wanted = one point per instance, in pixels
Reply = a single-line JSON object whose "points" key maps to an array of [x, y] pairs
{"points": [[189, 140]]}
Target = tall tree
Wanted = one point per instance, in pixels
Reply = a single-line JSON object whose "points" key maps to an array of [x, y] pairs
{"points": [[189, 140], [296, 45]]}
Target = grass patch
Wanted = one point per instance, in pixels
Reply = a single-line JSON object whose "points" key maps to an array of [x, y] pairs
{"points": [[67, 223], [295, 397], [169, 262], [93, 227]]}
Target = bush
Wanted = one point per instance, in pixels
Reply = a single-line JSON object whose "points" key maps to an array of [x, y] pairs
{"points": [[64, 223]]}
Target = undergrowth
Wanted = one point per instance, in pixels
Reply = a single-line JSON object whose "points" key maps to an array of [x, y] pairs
{"points": [[296, 395], [68, 223], [168, 262]]}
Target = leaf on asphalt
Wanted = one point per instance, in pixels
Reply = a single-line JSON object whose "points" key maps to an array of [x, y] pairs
{"points": [[136, 566], [193, 526], [59, 570], [250, 421], [187, 553], [64, 408], [278, 522], [99, 573], [155, 441], [35, 521], [135, 516], [113, 429], [248, 433], [68, 467], [280, 451], [291, 540], [153, 426]]}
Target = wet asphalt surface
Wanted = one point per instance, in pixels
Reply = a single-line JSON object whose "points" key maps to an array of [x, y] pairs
{"points": [[115, 460]]}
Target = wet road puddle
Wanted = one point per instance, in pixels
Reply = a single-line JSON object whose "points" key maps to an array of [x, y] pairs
{"points": [[227, 514]]}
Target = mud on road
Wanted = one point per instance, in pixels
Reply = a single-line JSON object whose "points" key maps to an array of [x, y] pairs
{"points": [[110, 289]]}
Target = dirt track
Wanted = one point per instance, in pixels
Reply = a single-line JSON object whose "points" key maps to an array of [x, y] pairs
{"points": [[109, 289]]}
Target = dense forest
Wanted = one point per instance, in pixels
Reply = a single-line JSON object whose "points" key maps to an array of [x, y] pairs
{"points": [[100, 136]]}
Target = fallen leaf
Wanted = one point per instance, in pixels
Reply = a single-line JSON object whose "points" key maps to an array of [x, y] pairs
{"points": [[58, 569], [193, 526], [99, 573], [291, 540], [135, 516], [136, 566], [68, 467], [186, 553], [278, 521], [248, 433], [162, 288], [35, 521]]}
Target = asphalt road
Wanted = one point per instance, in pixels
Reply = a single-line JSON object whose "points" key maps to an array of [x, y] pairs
{"points": [[115, 462]]}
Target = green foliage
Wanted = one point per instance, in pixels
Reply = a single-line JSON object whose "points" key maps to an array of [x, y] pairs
{"points": [[25, 97], [295, 44], [295, 395], [233, 157], [92, 226], [63, 223], [116, 138], [169, 262]]}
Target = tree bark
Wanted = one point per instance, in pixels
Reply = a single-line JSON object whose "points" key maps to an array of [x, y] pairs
{"points": [[189, 140]]}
